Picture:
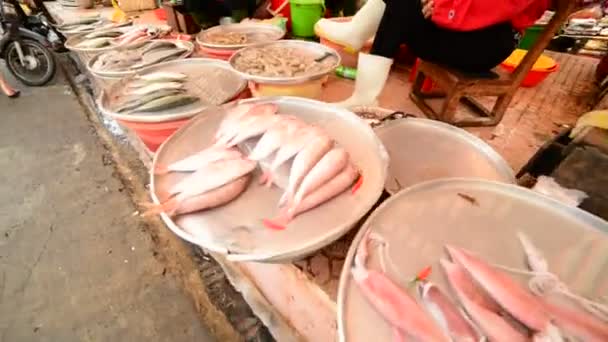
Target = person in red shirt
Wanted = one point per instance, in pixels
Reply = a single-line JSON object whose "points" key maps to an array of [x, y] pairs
{"points": [[469, 35]]}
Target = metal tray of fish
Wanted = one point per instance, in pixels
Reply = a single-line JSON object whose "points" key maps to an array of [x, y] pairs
{"points": [[236, 229], [101, 24], [238, 36], [483, 217], [423, 149], [315, 50], [213, 81], [72, 42], [188, 46]]}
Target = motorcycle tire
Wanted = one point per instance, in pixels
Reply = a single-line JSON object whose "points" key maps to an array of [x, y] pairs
{"points": [[44, 57]]}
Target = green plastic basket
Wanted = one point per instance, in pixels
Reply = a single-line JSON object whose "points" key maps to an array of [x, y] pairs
{"points": [[531, 36]]}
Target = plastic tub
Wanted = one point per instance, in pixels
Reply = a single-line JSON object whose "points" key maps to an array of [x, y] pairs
{"points": [[304, 16], [310, 89], [153, 134], [534, 77]]}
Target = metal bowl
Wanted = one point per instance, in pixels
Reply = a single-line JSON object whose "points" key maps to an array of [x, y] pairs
{"points": [[213, 81], [115, 74], [315, 49], [236, 228], [73, 41], [418, 222], [423, 149], [255, 33]]}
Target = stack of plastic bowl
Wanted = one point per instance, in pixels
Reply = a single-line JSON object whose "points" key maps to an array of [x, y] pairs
{"points": [[543, 66]]}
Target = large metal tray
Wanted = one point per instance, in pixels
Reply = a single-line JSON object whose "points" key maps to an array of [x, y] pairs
{"points": [[419, 221], [117, 74], [236, 229], [314, 48], [423, 149], [73, 41], [255, 33], [213, 81]]}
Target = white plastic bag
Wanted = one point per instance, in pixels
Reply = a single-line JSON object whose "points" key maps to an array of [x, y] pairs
{"points": [[549, 187]]}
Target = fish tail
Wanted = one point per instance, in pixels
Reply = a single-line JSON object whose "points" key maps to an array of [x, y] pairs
{"points": [[168, 207], [161, 169], [265, 177], [280, 222], [357, 185]]}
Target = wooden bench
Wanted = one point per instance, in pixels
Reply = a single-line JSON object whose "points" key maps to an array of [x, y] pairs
{"points": [[459, 87]]}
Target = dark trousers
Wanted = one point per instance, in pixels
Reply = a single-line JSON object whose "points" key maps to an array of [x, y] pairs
{"points": [[472, 51]]}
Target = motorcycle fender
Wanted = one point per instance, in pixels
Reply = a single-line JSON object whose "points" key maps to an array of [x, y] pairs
{"points": [[27, 34]]}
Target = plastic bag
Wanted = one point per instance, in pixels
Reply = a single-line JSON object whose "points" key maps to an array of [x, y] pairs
{"points": [[549, 187]]}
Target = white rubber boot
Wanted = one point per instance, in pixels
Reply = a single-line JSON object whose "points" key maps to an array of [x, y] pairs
{"points": [[372, 73], [352, 35]]}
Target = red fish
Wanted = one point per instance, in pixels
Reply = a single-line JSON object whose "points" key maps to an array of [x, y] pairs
{"points": [[198, 160], [511, 296], [393, 303], [211, 199], [327, 168], [482, 309], [446, 313], [578, 323], [321, 195]]}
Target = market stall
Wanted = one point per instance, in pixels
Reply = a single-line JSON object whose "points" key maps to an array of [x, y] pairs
{"points": [[335, 180]]}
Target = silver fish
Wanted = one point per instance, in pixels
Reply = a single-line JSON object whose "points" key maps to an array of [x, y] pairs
{"points": [[155, 87], [159, 44], [101, 34], [141, 100], [159, 55], [95, 43], [165, 103], [163, 76]]}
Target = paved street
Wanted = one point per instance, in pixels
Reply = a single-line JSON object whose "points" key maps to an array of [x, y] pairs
{"points": [[75, 263]]}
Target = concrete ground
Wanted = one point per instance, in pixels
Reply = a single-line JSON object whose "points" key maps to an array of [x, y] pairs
{"points": [[76, 264]]}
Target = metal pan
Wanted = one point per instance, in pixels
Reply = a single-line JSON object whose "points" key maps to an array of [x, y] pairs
{"points": [[419, 221], [315, 49], [115, 74], [236, 229], [73, 41], [254, 33], [423, 149], [213, 81]]}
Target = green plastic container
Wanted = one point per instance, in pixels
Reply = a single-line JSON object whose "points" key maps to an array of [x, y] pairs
{"points": [[304, 16], [531, 36]]}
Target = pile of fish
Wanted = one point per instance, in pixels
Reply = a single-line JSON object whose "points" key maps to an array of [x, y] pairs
{"points": [[320, 170], [492, 306], [118, 37], [137, 57], [154, 93], [86, 24], [281, 61]]}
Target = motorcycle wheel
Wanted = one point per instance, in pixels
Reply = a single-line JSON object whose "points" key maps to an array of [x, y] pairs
{"points": [[39, 66]]}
